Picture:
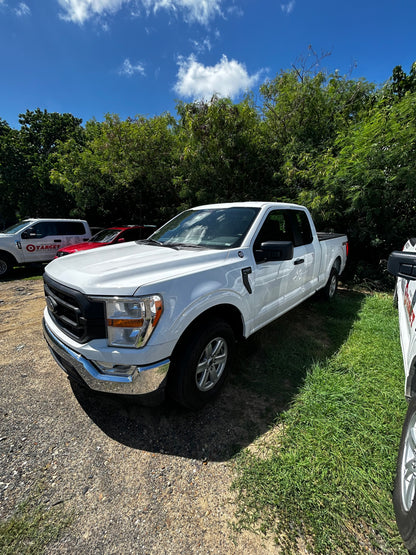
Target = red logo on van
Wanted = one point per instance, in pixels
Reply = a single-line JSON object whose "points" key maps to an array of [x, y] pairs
{"points": [[32, 248]]}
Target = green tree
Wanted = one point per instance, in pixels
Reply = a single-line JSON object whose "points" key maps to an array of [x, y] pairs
{"points": [[8, 165], [223, 153], [304, 111], [27, 159], [123, 174], [368, 183], [401, 83]]}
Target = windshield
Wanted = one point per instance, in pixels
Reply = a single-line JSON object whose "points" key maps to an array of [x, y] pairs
{"points": [[105, 236], [16, 227], [216, 228]]}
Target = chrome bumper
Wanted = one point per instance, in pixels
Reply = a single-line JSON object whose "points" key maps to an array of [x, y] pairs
{"points": [[143, 381]]}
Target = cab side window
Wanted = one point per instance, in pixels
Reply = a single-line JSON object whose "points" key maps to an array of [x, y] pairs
{"points": [[43, 229], [302, 233], [70, 228], [276, 227]]}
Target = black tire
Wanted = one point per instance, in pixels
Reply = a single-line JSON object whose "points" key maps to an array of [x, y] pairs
{"points": [[331, 286], [404, 499], [200, 366], [6, 264]]}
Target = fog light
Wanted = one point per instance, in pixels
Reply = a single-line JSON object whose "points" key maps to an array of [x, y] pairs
{"points": [[115, 369]]}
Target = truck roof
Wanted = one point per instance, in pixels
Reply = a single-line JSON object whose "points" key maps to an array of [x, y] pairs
{"points": [[252, 204], [53, 219]]}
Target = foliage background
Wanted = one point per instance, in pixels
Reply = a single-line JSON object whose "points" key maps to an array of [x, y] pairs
{"points": [[343, 147]]}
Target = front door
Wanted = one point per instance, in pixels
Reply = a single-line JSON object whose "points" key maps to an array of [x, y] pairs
{"points": [[278, 285], [40, 242]]}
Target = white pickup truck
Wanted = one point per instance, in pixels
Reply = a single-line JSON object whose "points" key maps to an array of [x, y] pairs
{"points": [[402, 264], [37, 240], [166, 311]]}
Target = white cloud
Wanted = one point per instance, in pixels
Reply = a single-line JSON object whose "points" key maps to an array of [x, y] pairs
{"points": [[289, 7], [129, 69], [201, 46], [22, 9], [201, 11], [79, 11], [235, 11], [227, 78]]}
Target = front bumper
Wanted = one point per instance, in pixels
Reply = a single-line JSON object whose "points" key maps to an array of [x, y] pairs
{"points": [[143, 381]]}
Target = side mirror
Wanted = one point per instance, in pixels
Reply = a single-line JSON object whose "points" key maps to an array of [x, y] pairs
{"points": [[121, 240], [275, 251], [402, 264]]}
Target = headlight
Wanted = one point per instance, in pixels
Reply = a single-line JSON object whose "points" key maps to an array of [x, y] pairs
{"points": [[130, 322]]}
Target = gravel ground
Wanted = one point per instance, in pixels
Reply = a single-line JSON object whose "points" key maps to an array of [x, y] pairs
{"points": [[137, 479]]}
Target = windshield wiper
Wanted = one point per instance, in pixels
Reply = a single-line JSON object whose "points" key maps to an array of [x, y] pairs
{"points": [[187, 245], [157, 243]]}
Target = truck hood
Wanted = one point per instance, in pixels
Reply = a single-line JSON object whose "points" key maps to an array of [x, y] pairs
{"points": [[123, 269]]}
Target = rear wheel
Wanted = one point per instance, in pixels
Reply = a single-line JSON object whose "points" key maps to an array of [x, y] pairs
{"points": [[331, 286], [404, 499], [200, 367]]}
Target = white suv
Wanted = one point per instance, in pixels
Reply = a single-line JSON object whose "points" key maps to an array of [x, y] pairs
{"points": [[37, 240]]}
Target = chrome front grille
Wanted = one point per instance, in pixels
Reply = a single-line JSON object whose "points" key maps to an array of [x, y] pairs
{"points": [[73, 312]]}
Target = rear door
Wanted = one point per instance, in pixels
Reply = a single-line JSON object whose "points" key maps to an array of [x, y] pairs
{"points": [[307, 252], [71, 233]]}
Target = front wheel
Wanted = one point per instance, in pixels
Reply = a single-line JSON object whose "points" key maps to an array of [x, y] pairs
{"points": [[200, 367], [6, 264], [404, 499]]}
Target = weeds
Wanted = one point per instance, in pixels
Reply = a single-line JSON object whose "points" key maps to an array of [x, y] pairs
{"points": [[32, 527]]}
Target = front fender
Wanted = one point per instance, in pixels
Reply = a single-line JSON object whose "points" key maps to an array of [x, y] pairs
{"points": [[223, 299]]}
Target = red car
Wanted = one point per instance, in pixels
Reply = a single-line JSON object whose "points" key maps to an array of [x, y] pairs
{"points": [[110, 236]]}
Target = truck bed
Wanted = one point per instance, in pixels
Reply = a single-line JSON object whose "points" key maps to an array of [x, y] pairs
{"points": [[324, 236]]}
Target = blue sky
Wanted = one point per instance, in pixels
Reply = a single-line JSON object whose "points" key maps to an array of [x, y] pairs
{"points": [[92, 57]]}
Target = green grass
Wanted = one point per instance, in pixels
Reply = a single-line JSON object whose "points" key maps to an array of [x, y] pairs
{"points": [[32, 527], [326, 476]]}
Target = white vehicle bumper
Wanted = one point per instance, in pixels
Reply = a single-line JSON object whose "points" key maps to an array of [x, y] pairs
{"points": [[127, 380]]}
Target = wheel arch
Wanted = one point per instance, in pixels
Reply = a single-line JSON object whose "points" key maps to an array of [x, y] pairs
{"points": [[8, 255], [337, 264], [226, 312]]}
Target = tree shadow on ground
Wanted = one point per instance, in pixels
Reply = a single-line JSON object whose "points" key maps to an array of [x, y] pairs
{"points": [[32, 271], [269, 370]]}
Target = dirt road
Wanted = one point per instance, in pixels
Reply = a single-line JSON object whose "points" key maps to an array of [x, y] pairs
{"points": [[136, 479]]}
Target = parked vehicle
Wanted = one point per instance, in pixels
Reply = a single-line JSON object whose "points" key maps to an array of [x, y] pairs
{"points": [[110, 236], [37, 240], [166, 312], [402, 264]]}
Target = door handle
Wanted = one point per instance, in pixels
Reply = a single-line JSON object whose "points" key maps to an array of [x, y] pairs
{"points": [[299, 261], [57, 240]]}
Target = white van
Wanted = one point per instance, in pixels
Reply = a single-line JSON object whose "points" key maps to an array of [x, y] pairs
{"points": [[37, 240]]}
